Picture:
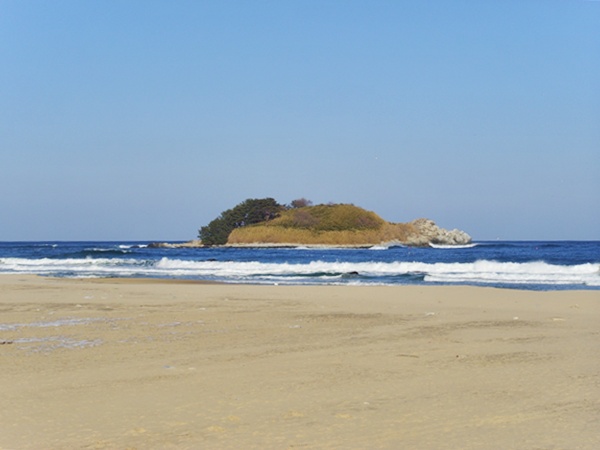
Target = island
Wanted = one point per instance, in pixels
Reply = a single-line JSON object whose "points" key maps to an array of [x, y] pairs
{"points": [[266, 223]]}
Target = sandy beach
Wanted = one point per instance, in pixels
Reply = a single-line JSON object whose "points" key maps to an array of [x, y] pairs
{"points": [[140, 364]]}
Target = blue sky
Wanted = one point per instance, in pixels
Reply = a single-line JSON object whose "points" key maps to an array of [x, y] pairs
{"points": [[146, 119]]}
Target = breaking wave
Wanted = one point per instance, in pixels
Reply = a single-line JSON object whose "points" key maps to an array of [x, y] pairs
{"points": [[451, 247], [486, 272]]}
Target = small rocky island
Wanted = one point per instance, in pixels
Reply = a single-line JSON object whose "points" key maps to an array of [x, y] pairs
{"points": [[266, 223]]}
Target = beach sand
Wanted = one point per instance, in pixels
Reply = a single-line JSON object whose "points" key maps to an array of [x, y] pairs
{"points": [[140, 364]]}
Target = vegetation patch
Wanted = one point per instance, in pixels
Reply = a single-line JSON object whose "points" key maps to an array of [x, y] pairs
{"points": [[264, 221], [338, 217], [250, 211]]}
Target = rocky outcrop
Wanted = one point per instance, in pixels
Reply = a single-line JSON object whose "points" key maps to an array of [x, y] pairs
{"points": [[427, 232], [188, 244]]}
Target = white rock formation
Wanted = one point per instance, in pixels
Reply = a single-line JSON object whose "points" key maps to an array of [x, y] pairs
{"points": [[429, 232]]}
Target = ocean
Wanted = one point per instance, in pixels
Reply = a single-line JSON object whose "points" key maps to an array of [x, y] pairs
{"points": [[545, 265]]}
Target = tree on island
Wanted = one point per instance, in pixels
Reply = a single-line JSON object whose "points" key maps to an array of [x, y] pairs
{"points": [[301, 203], [250, 211]]}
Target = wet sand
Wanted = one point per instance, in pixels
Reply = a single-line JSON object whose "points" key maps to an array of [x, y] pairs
{"points": [[139, 364]]}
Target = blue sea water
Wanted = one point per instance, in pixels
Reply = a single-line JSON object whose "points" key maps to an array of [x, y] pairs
{"points": [[546, 265]]}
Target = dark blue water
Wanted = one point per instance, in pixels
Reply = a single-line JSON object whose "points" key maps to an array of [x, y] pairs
{"points": [[545, 265]]}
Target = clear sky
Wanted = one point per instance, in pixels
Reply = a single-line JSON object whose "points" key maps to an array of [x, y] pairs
{"points": [[140, 119]]}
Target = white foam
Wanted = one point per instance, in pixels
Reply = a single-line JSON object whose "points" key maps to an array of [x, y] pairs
{"points": [[447, 246], [483, 271], [47, 344], [78, 266], [480, 271], [53, 323], [515, 273], [379, 247]]}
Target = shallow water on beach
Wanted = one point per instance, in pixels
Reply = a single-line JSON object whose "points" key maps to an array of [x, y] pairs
{"points": [[538, 265]]}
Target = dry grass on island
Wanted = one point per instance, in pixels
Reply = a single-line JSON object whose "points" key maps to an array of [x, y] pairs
{"points": [[334, 225]]}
